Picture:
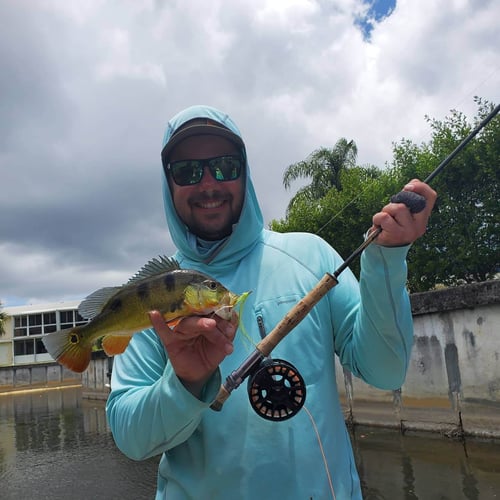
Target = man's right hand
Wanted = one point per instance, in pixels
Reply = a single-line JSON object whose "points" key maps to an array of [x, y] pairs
{"points": [[196, 346]]}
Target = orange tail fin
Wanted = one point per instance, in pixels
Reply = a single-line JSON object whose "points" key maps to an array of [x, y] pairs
{"points": [[68, 349]]}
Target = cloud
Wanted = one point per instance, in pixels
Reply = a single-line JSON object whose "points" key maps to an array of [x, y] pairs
{"points": [[87, 89]]}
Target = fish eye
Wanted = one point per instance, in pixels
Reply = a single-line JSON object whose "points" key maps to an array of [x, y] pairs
{"points": [[212, 285]]}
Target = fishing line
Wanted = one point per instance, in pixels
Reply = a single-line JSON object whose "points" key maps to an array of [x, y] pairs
{"points": [[275, 388], [478, 86], [467, 94], [323, 455], [356, 198]]}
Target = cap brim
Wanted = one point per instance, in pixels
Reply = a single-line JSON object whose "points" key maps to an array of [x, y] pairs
{"points": [[204, 129]]}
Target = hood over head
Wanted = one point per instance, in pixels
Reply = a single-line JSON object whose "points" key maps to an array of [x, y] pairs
{"points": [[207, 120]]}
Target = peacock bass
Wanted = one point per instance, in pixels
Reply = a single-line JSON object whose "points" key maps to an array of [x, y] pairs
{"points": [[116, 313]]}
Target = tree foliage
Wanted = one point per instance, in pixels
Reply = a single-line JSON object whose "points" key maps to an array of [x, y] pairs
{"points": [[323, 167], [342, 217], [462, 241], [3, 317]]}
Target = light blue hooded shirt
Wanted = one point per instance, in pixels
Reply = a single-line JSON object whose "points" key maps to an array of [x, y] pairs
{"points": [[235, 453]]}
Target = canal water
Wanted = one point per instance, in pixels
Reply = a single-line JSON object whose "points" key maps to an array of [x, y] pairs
{"points": [[55, 445]]}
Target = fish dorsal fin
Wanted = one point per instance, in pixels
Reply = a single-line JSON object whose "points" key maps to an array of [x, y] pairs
{"points": [[157, 265], [92, 305]]}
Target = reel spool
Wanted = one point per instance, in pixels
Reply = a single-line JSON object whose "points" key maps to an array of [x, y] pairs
{"points": [[276, 390]]}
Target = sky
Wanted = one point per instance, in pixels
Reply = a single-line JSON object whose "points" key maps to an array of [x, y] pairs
{"points": [[86, 89]]}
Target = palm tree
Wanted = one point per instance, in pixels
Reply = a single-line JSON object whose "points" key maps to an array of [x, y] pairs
{"points": [[323, 167], [3, 317]]}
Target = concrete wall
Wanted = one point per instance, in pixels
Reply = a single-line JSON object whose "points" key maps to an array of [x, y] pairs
{"points": [[22, 377], [96, 378], [94, 381], [453, 380]]}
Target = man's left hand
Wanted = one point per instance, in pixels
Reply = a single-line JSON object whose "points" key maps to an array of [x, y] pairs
{"points": [[400, 226]]}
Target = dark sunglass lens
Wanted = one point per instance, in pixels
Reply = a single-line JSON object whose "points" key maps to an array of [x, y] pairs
{"points": [[185, 173], [226, 168]]}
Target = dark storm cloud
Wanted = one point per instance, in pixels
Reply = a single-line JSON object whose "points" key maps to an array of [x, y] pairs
{"points": [[87, 87], [30, 86], [79, 158]]}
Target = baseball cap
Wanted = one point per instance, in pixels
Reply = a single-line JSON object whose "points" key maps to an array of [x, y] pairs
{"points": [[199, 126]]}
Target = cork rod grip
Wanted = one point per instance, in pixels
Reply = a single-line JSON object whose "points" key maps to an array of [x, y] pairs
{"points": [[298, 312], [280, 331]]}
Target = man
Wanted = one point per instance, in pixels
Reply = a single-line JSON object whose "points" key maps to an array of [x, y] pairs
{"points": [[164, 383]]}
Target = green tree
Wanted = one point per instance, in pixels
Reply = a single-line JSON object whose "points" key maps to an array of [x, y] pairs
{"points": [[323, 166], [462, 244], [462, 241], [341, 217]]}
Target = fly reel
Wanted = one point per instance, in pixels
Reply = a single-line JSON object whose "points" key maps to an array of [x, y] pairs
{"points": [[276, 390]]}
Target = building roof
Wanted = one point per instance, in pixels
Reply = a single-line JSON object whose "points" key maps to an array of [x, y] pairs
{"points": [[41, 308]]}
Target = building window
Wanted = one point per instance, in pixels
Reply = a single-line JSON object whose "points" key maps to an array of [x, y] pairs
{"points": [[20, 326], [24, 347], [49, 322], [69, 319], [35, 324]]}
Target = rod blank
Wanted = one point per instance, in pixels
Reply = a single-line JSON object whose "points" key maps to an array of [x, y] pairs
{"points": [[415, 203]]}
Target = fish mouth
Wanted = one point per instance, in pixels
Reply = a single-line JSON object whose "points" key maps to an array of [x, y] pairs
{"points": [[225, 311]]}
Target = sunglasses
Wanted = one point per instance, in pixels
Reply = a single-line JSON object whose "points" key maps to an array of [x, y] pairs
{"points": [[190, 172]]}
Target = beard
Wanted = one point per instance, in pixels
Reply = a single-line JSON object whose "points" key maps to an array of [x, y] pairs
{"points": [[213, 216]]}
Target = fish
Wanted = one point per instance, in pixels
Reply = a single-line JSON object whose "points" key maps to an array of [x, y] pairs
{"points": [[115, 314]]}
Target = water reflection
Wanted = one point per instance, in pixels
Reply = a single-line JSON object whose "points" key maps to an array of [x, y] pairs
{"points": [[55, 445], [426, 466]]}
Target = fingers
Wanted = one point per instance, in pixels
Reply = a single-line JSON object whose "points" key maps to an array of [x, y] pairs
{"points": [[399, 225], [424, 190], [214, 329], [196, 345], [200, 325], [158, 323]]}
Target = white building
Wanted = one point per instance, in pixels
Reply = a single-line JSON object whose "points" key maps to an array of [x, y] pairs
{"points": [[25, 327]]}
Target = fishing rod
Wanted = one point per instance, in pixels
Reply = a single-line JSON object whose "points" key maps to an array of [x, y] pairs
{"points": [[276, 389]]}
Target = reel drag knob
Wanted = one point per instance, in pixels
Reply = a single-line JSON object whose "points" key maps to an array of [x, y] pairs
{"points": [[276, 390]]}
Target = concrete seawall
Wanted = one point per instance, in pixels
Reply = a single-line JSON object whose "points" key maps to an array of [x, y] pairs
{"points": [[453, 380]]}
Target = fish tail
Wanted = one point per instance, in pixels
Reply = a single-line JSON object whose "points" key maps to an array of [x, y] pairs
{"points": [[68, 348]]}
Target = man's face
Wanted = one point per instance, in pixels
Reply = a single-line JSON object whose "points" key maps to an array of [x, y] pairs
{"points": [[210, 208]]}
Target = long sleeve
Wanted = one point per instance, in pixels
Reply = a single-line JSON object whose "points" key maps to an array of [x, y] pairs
{"points": [[378, 347], [149, 410]]}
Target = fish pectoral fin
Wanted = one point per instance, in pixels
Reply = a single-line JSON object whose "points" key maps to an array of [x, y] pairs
{"points": [[173, 323], [115, 344]]}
